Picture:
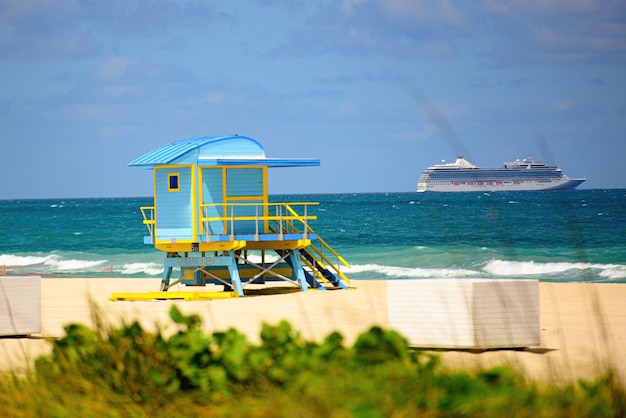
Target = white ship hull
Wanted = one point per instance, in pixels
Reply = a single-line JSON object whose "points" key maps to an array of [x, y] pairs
{"points": [[440, 186], [525, 175]]}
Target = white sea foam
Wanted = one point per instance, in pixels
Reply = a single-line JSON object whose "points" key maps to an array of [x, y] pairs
{"points": [[152, 269], [502, 268], [256, 258], [52, 262], [410, 272], [532, 268], [614, 273], [18, 260], [56, 263]]}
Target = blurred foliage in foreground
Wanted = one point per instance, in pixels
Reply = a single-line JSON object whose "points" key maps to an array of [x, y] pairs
{"points": [[129, 372]]}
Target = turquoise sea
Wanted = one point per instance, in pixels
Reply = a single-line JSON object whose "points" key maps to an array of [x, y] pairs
{"points": [[570, 236]]}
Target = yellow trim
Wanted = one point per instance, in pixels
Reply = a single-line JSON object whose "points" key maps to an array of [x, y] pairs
{"points": [[222, 246], [227, 199], [266, 224], [154, 203], [149, 220], [159, 167], [169, 182], [278, 245], [189, 296], [251, 197], [224, 183], [244, 167], [224, 198], [185, 247], [199, 202], [194, 205]]}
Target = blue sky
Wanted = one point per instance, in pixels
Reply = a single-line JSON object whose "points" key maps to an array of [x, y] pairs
{"points": [[376, 89]]}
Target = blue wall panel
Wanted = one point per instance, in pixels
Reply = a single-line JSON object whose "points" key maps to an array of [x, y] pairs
{"points": [[244, 181], [212, 193], [173, 208]]}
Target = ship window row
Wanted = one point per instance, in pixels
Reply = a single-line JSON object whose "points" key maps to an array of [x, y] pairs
{"points": [[492, 176], [478, 182], [494, 170]]}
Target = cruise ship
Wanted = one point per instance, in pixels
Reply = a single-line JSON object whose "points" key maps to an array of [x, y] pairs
{"points": [[522, 175]]}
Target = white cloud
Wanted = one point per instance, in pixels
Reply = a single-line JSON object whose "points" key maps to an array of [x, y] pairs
{"points": [[440, 11], [346, 109], [518, 8], [348, 6], [563, 105], [56, 29], [114, 68], [215, 97]]}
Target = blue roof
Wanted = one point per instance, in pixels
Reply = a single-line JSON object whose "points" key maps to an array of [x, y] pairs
{"points": [[270, 162], [216, 150]]}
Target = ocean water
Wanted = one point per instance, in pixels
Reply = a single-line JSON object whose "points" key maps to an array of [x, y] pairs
{"points": [[570, 236]]}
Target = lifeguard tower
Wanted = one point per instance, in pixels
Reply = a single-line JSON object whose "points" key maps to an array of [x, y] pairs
{"points": [[213, 219]]}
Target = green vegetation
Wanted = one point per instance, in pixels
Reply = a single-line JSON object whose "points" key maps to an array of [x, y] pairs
{"points": [[133, 373]]}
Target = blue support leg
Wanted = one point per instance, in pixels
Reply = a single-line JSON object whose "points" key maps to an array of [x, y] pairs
{"points": [[235, 280], [298, 270], [165, 280]]}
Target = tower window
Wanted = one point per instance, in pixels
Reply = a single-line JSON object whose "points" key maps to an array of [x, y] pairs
{"points": [[173, 182]]}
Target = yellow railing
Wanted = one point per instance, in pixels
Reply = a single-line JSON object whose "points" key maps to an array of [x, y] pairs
{"points": [[267, 217], [317, 253], [148, 219], [276, 218]]}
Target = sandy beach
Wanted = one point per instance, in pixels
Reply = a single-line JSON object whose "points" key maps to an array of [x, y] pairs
{"points": [[583, 326]]}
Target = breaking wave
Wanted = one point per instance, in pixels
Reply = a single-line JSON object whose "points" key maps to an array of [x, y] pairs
{"points": [[409, 272], [560, 271], [532, 268], [152, 269], [77, 264], [18, 260]]}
